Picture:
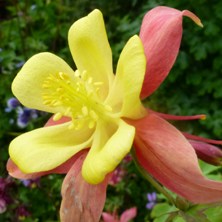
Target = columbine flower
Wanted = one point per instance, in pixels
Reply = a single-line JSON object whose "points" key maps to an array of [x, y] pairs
{"points": [[97, 115], [152, 198], [93, 98], [126, 216]]}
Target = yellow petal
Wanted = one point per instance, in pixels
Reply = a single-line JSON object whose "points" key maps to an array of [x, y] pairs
{"points": [[125, 93], [28, 84], [110, 145], [91, 50], [46, 148]]}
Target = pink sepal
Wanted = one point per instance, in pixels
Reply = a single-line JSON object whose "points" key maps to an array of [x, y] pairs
{"points": [[166, 154], [81, 201], [161, 34]]}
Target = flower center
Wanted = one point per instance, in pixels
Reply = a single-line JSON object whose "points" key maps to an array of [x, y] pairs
{"points": [[77, 96]]}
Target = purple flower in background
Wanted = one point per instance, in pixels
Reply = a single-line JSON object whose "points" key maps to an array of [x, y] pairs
{"points": [[22, 212], [117, 175], [3, 205], [120, 171], [12, 104], [152, 199], [24, 115], [5, 198], [31, 183], [19, 64]]}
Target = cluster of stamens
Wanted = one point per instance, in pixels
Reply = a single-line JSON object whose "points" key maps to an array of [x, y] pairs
{"points": [[77, 96]]}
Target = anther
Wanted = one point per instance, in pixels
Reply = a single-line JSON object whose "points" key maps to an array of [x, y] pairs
{"points": [[45, 86], [46, 97], [90, 80], [55, 103], [91, 124], [47, 102], [59, 89], [203, 117], [77, 73], [85, 110], [98, 83], [93, 114], [61, 98], [50, 77], [67, 112], [79, 125], [84, 75], [108, 108], [71, 126], [62, 75], [57, 116]]}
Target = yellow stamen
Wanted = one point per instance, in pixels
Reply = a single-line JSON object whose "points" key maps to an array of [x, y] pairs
{"points": [[57, 116], [71, 126], [45, 86], [59, 89], [108, 108], [84, 75], [91, 124], [98, 83], [85, 110], [77, 96], [93, 114], [63, 76], [90, 80], [77, 73]]}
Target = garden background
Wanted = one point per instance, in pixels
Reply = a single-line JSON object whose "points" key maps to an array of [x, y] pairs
{"points": [[194, 86]]}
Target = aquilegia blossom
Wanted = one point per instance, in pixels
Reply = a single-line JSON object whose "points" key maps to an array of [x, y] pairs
{"points": [[95, 100], [98, 115]]}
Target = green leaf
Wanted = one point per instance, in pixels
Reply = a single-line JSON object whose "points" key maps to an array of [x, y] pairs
{"points": [[207, 168], [194, 217], [161, 212], [214, 214]]}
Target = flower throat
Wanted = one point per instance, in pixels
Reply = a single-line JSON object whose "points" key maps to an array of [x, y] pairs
{"points": [[78, 98]]}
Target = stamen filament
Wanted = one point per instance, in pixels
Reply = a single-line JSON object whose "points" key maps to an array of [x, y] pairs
{"points": [[78, 96]]}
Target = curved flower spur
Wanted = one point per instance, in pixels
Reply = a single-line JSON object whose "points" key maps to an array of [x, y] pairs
{"points": [[98, 115]]}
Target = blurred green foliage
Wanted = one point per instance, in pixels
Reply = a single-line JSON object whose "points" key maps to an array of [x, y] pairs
{"points": [[193, 86]]}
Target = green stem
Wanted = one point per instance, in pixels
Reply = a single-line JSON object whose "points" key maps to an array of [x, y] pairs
{"points": [[14, 133], [150, 179]]}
